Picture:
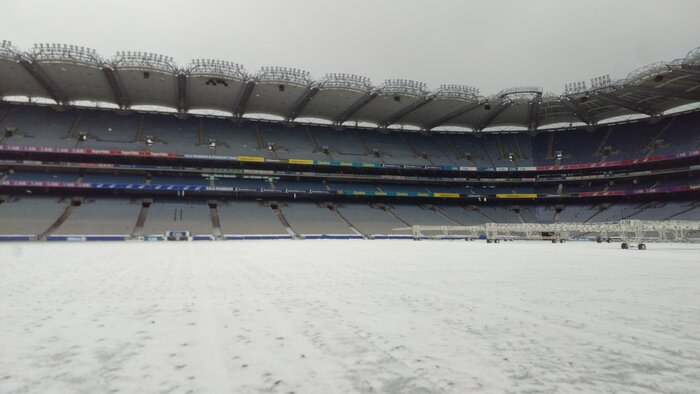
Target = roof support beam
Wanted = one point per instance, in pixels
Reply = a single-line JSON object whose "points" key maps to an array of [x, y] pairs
{"points": [[693, 96], [578, 111], [301, 103], [242, 101], [452, 115], [182, 93], [533, 115], [689, 70], [51, 89], [636, 107], [405, 111], [486, 120], [115, 84], [345, 115]]}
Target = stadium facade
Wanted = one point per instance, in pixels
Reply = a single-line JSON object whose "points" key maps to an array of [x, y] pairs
{"points": [[82, 157]]}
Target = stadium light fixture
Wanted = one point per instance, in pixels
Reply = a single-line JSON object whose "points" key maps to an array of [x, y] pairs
{"points": [[140, 60], [285, 74], [575, 87], [217, 67], [464, 91], [343, 80], [601, 82], [404, 86], [65, 52]]}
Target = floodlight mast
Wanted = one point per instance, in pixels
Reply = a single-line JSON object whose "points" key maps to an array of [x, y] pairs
{"points": [[285, 74], [64, 52], [8, 51], [346, 81], [460, 91], [575, 87], [403, 86], [217, 68], [144, 60], [601, 82]]}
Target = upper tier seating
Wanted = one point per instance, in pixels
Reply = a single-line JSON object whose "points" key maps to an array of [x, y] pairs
{"points": [[104, 128], [429, 148], [391, 147], [461, 147], [43, 126], [232, 139], [174, 135], [40, 126], [289, 142], [343, 145]]}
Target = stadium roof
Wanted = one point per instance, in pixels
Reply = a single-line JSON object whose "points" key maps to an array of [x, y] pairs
{"points": [[67, 74]]}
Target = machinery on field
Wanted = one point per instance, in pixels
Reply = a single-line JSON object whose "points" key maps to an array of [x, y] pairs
{"points": [[632, 233]]}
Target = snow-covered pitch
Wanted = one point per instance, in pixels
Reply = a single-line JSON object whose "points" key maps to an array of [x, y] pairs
{"points": [[348, 316]]}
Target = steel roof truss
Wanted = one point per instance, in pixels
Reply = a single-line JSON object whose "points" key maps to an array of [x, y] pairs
{"points": [[493, 114], [633, 106], [578, 111], [51, 89], [117, 90], [182, 93], [452, 115], [361, 102], [405, 111], [692, 96], [301, 103], [242, 101]]}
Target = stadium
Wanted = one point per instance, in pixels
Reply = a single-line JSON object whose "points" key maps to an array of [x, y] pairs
{"points": [[300, 199], [93, 173]]}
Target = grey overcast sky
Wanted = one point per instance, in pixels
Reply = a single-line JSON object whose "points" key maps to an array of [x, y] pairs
{"points": [[489, 44]]}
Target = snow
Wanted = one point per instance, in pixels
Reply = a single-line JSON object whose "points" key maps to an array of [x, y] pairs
{"points": [[348, 316]]}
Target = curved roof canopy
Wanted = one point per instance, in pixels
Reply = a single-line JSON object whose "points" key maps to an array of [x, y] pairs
{"points": [[68, 73]]}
